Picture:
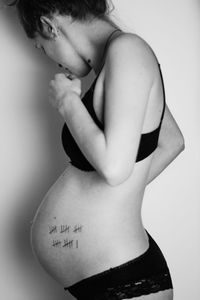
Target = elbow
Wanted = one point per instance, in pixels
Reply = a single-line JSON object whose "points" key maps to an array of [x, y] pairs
{"points": [[180, 141], [113, 180], [115, 176], [182, 147], [181, 144], [177, 146]]}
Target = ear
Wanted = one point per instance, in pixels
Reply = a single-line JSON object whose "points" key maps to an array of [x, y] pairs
{"points": [[49, 28]]}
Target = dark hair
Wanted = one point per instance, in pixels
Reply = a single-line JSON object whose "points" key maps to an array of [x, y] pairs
{"points": [[30, 11]]}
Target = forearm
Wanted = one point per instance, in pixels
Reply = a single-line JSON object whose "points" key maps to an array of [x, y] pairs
{"points": [[92, 142], [87, 134], [170, 145], [162, 158]]}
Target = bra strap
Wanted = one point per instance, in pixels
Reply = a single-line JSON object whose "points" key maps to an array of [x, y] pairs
{"points": [[164, 98], [109, 39]]}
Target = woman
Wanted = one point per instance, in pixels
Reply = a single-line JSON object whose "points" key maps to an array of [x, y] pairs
{"points": [[88, 231]]}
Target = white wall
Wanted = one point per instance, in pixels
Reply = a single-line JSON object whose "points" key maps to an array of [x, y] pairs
{"points": [[31, 154]]}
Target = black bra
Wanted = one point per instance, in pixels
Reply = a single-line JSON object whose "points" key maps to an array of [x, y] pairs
{"points": [[148, 141]]}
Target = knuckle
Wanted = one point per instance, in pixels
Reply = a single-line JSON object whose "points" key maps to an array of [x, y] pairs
{"points": [[59, 75], [77, 80]]}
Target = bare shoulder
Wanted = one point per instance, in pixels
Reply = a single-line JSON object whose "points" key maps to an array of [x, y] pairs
{"points": [[133, 48]]}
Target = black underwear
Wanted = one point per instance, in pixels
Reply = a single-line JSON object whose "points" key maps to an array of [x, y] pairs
{"points": [[143, 275]]}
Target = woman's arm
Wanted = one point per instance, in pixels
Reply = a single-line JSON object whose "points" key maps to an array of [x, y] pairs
{"points": [[129, 77], [170, 145]]}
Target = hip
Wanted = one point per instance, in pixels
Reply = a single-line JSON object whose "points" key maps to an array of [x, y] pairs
{"points": [[84, 229], [146, 274]]}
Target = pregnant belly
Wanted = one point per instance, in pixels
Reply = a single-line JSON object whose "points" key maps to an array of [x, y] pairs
{"points": [[81, 229]]}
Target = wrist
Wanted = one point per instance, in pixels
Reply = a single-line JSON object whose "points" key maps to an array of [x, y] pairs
{"points": [[68, 103]]}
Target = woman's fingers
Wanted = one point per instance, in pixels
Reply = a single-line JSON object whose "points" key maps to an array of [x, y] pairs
{"points": [[61, 89]]}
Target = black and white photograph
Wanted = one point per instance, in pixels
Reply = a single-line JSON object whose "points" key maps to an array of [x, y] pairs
{"points": [[99, 149]]}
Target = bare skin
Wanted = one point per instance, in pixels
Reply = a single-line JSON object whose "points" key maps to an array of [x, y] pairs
{"points": [[85, 215], [162, 295]]}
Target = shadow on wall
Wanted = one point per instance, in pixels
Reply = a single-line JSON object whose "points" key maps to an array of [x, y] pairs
{"points": [[50, 160]]}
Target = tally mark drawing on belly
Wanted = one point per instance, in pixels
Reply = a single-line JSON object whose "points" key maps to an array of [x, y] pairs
{"points": [[65, 229], [70, 243]]}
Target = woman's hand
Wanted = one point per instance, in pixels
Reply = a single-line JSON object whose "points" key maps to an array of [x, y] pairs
{"points": [[62, 89]]}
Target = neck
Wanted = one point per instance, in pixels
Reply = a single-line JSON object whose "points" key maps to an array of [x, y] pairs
{"points": [[98, 36], [89, 39]]}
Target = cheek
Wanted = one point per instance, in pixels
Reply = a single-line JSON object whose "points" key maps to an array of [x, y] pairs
{"points": [[72, 60], [63, 53]]}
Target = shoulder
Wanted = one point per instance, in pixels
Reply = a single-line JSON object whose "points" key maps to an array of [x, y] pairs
{"points": [[131, 49], [133, 44]]}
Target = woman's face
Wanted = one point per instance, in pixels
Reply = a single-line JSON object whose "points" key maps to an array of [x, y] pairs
{"points": [[62, 48], [57, 50]]}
